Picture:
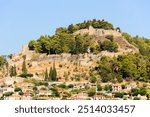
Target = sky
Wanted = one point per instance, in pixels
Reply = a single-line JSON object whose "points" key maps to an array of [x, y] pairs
{"points": [[25, 20]]}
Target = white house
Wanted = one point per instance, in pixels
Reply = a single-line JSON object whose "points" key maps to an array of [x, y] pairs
{"points": [[6, 89], [99, 97], [116, 88], [142, 97], [80, 96], [44, 93]]}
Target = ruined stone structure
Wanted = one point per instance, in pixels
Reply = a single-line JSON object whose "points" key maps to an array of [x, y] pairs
{"points": [[25, 49], [27, 52], [98, 32], [123, 44], [37, 62]]}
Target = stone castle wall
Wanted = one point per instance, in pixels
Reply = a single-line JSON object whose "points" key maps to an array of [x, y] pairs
{"points": [[98, 32], [83, 59]]}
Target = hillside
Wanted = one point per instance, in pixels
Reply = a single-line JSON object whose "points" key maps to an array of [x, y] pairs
{"points": [[72, 65], [100, 34], [80, 58], [73, 49]]}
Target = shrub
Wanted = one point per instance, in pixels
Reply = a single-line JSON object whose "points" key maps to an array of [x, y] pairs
{"points": [[119, 79], [7, 94], [123, 86], [77, 77], [55, 92], [25, 75], [21, 93], [30, 65], [18, 89], [91, 92], [2, 98], [119, 95], [43, 83], [99, 87], [136, 98], [35, 82], [70, 86], [43, 88], [134, 91], [105, 79], [93, 79], [62, 86], [110, 37], [60, 65], [108, 88], [142, 91], [109, 46], [35, 88]]}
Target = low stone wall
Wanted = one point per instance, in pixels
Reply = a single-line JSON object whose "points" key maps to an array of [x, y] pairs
{"points": [[83, 59]]}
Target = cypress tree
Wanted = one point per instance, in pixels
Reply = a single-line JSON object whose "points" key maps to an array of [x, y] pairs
{"points": [[53, 73], [7, 67], [54, 78], [14, 70], [11, 71], [24, 69], [46, 75], [50, 73]]}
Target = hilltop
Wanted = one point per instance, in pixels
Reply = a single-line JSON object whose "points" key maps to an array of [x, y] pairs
{"points": [[90, 36]]}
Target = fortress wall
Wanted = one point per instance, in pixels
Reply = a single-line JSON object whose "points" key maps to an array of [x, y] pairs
{"points": [[98, 32]]}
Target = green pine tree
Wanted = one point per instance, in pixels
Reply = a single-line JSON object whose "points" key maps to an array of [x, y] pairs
{"points": [[14, 71]]}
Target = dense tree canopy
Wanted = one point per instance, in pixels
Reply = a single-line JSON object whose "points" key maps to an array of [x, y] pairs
{"points": [[133, 67], [142, 43], [99, 24], [109, 46], [95, 23], [64, 41]]}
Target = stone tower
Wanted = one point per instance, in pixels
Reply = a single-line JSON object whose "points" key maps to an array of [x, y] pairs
{"points": [[25, 49]]}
